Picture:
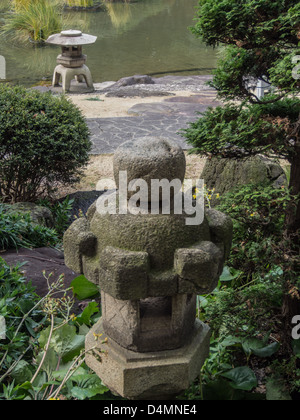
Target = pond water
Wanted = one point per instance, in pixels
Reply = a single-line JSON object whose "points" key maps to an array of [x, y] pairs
{"points": [[146, 37]]}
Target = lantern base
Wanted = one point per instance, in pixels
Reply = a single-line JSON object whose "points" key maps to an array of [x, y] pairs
{"points": [[81, 74], [147, 376]]}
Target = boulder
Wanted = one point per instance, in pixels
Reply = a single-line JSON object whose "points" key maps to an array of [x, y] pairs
{"points": [[226, 174], [132, 92], [39, 215], [43, 267], [38, 261], [134, 80]]}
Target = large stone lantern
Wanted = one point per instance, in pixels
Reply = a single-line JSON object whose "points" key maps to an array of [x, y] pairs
{"points": [[150, 267], [71, 61]]}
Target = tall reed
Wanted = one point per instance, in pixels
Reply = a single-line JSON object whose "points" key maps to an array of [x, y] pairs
{"points": [[34, 19], [80, 3], [19, 4]]}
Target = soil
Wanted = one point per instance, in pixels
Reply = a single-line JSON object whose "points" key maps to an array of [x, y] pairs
{"points": [[96, 105]]}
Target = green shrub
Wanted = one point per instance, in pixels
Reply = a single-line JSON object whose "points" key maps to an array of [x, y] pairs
{"points": [[247, 310], [17, 230], [44, 143], [258, 213]]}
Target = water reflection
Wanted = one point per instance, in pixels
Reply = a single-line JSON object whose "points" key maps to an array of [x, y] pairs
{"points": [[147, 37], [120, 14]]}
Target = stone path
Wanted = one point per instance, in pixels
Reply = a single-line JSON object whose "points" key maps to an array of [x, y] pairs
{"points": [[109, 133], [163, 118]]}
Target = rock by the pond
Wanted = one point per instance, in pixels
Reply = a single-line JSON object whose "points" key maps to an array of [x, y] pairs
{"points": [[39, 215], [131, 92], [134, 80], [226, 174]]}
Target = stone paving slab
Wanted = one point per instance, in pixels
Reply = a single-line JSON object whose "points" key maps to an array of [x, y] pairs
{"points": [[165, 118], [168, 108], [109, 133]]}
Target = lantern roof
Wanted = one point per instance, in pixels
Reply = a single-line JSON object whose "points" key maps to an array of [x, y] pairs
{"points": [[70, 38]]}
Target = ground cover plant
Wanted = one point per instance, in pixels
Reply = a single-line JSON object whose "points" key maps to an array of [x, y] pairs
{"points": [[42, 346], [17, 230]]}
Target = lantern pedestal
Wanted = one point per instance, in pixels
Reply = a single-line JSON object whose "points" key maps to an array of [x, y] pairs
{"points": [[66, 74], [144, 376]]}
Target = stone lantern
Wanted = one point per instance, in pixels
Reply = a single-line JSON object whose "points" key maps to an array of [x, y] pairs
{"points": [[71, 61], [150, 268]]}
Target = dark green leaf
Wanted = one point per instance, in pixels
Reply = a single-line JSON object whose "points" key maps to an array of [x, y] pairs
{"points": [[229, 274], [85, 317], [83, 288], [89, 386], [267, 351], [242, 378], [21, 373]]}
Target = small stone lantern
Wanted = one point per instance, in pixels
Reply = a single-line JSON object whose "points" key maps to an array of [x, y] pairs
{"points": [[71, 61], [150, 267]]}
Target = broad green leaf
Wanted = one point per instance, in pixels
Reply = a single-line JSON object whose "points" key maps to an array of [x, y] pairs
{"points": [[258, 347], [32, 326], [218, 390], [50, 362], [250, 344], [74, 348], [83, 288], [60, 339], [83, 330], [82, 394], [21, 373], [64, 369], [88, 387], [25, 305], [64, 341], [26, 385], [231, 341], [23, 391], [229, 274], [242, 378], [267, 351], [85, 317]]}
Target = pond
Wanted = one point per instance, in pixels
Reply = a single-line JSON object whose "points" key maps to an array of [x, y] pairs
{"points": [[145, 37]]}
